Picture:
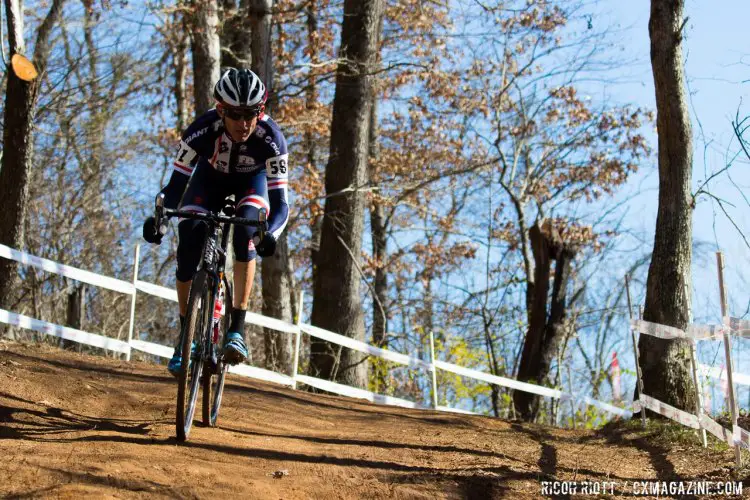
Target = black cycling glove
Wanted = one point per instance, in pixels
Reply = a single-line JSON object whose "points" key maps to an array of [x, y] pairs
{"points": [[150, 233], [267, 246]]}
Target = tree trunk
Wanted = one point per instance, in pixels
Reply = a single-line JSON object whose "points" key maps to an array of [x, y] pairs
{"points": [[75, 312], [262, 53], [277, 288], [311, 141], [93, 166], [179, 66], [378, 234], [665, 363], [206, 53], [379, 315], [546, 330], [336, 301], [18, 143], [235, 39], [493, 362], [277, 294]]}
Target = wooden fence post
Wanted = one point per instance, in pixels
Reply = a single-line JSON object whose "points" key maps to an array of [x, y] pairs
{"points": [[728, 354], [297, 339], [434, 372], [635, 353], [131, 327]]}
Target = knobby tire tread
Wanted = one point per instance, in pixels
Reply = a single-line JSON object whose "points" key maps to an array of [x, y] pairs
{"points": [[192, 325], [213, 397]]}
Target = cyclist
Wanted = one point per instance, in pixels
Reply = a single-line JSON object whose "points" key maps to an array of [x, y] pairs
{"points": [[237, 149]]}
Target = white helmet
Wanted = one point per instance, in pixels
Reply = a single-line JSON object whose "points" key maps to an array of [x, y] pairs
{"points": [[240, 88]]}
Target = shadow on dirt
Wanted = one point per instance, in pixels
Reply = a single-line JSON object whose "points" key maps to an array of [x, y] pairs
{"points": [[310, 400], [377, 444], [35, 362], [658, 455], [256, 453], [41, 424], [479, 484], [548, 460], [108, 480], [36, 424]]}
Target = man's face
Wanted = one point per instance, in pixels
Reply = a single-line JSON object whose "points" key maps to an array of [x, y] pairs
{"points": [[239, 123]]}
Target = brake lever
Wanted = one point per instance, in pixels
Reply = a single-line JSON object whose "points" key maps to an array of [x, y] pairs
{"points": [[159, 225], [263, 223]]}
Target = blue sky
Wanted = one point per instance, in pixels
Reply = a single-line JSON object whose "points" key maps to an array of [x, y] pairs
{"points": [[718, 78], [717, 66]]}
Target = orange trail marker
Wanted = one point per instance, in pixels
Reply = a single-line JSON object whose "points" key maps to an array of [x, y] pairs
{"points": [[23, 68]]}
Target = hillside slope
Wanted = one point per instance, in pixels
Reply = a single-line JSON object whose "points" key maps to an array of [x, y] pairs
{"points": [[74, 425]]}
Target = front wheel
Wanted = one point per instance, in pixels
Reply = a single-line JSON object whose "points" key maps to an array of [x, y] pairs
{"points": [[212, 395], [211, 405], [198, 316]]}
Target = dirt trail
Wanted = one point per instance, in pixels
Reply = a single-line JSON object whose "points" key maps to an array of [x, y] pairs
{"points": [[74, 425]]}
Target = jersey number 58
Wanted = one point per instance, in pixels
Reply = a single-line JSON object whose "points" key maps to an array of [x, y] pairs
{"points": [[278, 166]]}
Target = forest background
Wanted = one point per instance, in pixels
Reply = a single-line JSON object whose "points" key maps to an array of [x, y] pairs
{"points": [[491, 118]]}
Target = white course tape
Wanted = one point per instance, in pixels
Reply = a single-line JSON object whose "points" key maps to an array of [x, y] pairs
{"points": [[599, 404], [739, 327], [260, 373], [668, 411], [657, 330], [741, 436], [251, 318], [272, 323], [351, 343], [716, 429], [63, 332], [151, 348], [67, 271], [242, 370], [706, 332], [353, 392], [697, 332], [456, 410], [719, 374], [282, 326], [497, 380], [159, 291], [526, 387]]}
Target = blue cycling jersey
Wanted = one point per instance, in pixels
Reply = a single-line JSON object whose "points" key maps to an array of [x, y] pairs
{"points": [[205, 144]]}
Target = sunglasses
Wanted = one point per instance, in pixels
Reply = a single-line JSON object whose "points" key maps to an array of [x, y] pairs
{"points": [[246, 114]]}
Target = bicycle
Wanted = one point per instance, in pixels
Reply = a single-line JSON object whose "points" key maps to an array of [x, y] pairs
{"points": [[202, 321]]}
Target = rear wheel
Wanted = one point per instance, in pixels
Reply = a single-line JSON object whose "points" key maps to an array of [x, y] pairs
{"points": [[212, 393], [196, 324]]}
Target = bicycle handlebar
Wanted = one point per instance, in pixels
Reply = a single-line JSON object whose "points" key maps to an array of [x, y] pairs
{"points": [[161, 214], [210, 217]]}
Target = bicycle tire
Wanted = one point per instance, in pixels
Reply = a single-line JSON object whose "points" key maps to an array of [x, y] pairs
{"points": [[213, 392], [211, 415], [206, 382], [190, 372]]}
